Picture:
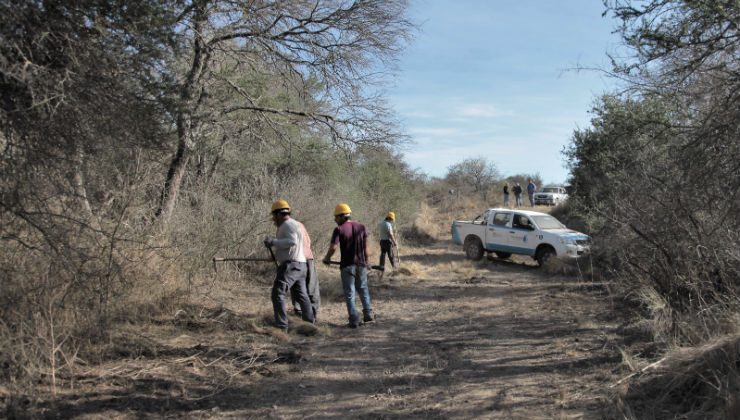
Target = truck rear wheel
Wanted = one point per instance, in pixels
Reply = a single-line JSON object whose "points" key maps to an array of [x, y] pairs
{"points": [[473, 249]]}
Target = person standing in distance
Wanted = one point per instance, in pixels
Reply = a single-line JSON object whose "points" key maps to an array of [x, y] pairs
{"points": [[291, 270], [506, 195], [351, 239], [517, 190], [387, 239], [531, 188]]}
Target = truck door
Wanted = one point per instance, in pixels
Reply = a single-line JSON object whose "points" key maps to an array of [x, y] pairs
{"points": [[497, 232], [521, 237]]}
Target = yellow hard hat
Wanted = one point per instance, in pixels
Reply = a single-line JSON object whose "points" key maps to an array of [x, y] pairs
{"points": [[280, 205], [391, 216], [342, 208]]}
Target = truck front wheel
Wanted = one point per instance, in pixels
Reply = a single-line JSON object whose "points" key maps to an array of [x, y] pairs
{"points": [[473, 249], [544, 254]]}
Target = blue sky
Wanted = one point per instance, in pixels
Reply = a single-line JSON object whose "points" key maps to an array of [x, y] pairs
{"points": [[495, 79]]}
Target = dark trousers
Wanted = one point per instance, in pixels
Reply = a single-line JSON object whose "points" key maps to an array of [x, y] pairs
{"points": [[312, 286], [386, 247], [291, 277]]}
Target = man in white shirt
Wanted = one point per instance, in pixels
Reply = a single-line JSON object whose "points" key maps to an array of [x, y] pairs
{"points": [[291, 271]]}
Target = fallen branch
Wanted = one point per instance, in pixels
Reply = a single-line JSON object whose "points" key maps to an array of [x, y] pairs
{"points": [[643, 370]]}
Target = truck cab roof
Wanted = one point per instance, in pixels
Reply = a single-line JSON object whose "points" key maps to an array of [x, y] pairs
{"points": [[525, 212]]}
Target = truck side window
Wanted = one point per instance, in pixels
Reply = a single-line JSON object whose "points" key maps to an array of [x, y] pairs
{"points": [[522, 222], [501, 219]]}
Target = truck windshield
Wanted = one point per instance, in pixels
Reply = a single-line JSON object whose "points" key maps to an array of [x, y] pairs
{"points": [[548, 222], [550, 190]]}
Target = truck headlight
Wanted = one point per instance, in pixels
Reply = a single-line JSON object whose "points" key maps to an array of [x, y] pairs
{"points": [[567, 241]]}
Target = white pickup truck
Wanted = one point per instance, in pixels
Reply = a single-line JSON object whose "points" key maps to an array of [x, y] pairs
{"points": [[505, 232], [551, 196]]}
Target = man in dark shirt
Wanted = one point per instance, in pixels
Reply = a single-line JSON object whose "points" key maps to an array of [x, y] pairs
{"points": [[531, 188], [517, 190], [351, 238], [506, 194]]}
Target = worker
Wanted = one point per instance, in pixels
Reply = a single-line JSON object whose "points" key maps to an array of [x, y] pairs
{"points": [[291, 260], [351, 238], [312, 278], [387, 239]]}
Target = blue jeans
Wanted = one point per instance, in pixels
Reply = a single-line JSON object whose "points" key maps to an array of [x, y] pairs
{"points": [[355, 277], [518, 200]]}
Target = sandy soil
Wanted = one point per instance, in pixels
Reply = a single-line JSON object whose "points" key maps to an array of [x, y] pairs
{"points": [[453, 339]]}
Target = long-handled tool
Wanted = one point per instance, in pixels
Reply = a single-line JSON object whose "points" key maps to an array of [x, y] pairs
{"points": [[272, 254], [372, 267], [271, 259], [219, 259]]}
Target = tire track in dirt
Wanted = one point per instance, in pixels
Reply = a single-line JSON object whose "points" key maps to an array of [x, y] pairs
{"points": [[457, 340]]}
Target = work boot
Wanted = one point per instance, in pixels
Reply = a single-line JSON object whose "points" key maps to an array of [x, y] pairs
{"points": [[368, 317], [354, 322]]}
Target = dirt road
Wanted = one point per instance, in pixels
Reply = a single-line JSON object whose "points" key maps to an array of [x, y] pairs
{"points": [[453, 339]]}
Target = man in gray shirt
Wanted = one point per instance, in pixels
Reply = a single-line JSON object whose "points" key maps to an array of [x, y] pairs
{"points": [[387, 239], [291, 271]]}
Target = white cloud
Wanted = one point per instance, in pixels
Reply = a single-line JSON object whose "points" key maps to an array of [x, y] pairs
{"points": [[479, 111]]}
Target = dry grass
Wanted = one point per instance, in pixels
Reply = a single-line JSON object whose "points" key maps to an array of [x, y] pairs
{"points": [[331, 284], [411, 269], [428, 226], [691, 383]]}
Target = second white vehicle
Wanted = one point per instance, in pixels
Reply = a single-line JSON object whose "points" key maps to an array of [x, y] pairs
{"points": [[506, 232], [551, 196]]}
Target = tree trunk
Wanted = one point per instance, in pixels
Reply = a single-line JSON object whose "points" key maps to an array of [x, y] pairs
{"points": [[173, 182], [80, 191], [185, 124]]}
